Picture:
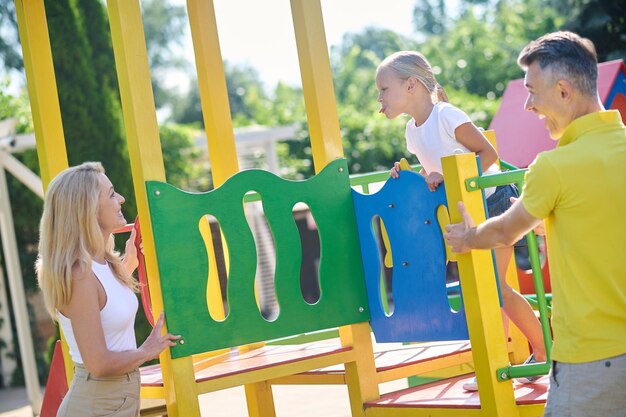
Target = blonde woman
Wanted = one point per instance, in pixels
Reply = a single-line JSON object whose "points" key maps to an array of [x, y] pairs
{"points": [[88, 288]]}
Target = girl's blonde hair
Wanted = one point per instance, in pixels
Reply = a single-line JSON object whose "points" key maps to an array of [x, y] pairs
{"points": [[407, 64], [69, 234]]}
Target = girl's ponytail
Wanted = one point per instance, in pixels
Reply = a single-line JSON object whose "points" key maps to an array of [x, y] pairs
{"points": [[441, 93]]}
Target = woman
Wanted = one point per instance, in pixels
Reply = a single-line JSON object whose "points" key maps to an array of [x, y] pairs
{"points": [[88, 287]]}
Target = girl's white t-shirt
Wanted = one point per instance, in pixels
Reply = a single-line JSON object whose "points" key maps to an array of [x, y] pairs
{"points": [[435, 138], [117, 316]]}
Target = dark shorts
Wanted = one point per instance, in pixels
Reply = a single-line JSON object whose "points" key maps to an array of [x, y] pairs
{"points": [[500, 201]]}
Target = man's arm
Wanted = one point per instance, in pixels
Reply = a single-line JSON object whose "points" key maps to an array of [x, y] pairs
{"points": [[500, 231]]}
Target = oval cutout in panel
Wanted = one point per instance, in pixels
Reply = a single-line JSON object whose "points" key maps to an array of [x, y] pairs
{"points": [[217, 255], [453, 287], [264, 281], [310, 243], [386, 265]]}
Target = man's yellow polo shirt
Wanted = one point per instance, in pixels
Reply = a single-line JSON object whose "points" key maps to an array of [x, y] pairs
{"points": [[580, 189]]}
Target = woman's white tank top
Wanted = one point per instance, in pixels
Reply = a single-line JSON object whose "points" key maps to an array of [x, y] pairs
{"points": [[117, 316]]}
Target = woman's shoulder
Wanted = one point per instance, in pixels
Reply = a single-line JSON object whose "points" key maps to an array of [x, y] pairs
{"points": [[84, 290], [82, 276]]}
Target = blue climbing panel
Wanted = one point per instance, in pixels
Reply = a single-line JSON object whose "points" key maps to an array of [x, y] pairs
{"points": [[421, 310]]}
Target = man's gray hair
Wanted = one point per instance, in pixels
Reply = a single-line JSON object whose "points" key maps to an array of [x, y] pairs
{"points": [[567, 56]]}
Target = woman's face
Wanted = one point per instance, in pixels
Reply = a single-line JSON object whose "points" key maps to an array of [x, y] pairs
{"points": [[110, 215]]}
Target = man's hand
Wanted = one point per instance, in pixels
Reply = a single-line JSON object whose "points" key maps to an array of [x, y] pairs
{"points": [[458, 235]]}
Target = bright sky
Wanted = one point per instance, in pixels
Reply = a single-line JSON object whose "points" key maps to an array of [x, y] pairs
{"points": [[260, 33]]}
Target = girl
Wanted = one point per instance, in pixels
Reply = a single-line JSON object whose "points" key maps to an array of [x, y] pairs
{"points": [[406, 84], [88, 287]]}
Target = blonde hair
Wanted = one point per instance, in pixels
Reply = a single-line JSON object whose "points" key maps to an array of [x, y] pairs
{"points": [[407, 64], [69, 234]]}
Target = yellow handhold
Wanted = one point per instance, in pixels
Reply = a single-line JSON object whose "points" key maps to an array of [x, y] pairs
{"points": [[404, 165], [444, 219], [388, 261]]}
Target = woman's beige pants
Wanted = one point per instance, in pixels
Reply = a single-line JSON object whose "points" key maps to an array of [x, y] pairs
{"points": [[88, 396]]}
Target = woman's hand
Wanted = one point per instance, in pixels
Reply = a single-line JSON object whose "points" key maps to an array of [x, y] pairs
{"points": [[433, 180], [130, 261], [156, 343]]}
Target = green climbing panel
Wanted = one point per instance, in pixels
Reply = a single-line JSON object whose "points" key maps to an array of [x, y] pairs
{"points": [[183, 261]]}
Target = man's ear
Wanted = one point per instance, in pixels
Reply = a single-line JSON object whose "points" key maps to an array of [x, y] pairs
{"points": [[565, 89]]}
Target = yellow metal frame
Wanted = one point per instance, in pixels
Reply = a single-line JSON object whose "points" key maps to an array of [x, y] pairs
{"points": [[518, 345], [478, 283], [44, 104]]}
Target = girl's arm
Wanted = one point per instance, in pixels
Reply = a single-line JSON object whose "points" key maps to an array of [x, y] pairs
{"points": [[469, 136], [84, 312]]}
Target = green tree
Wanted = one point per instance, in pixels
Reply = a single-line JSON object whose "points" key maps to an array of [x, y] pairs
{"points": [[354, 63], [478, 52], [90, 111], [9, 41], [181, 159], [249, 104], [602, 21], [95, 22], [431, 17], [164, 26]]}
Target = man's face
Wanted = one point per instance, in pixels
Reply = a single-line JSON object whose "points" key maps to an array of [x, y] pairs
{"points": [[546, 99]]}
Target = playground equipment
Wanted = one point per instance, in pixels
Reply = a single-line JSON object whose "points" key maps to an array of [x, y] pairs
{"points": [[181, 267]]}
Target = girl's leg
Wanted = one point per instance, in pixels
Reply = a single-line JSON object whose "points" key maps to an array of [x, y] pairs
{"points": [[517, 307]]}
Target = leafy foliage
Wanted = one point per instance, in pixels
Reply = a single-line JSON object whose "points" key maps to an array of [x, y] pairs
{"points": [[602, 21], [9, 41], [164, 25], [478, 52]]}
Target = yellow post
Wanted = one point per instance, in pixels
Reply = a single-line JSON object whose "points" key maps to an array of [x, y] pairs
{"points": [[480, 294], [260, 399], [361, 377], [213, 92], [42, 88], [319, 97], [317, 82], [146, 161], [518, 344], [44, 104], [216, 113]]}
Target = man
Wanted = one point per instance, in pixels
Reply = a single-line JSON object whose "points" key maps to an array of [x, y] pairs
{"points": [[579, 188]]}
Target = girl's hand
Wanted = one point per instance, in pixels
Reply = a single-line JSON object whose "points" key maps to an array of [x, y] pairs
{"points": [[130, 260], [433, 180], [394, 172], [156, 343]]}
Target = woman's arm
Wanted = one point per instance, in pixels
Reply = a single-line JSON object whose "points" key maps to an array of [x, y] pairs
{"points": [[469, 136], [84, 311]]}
